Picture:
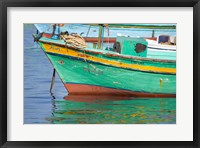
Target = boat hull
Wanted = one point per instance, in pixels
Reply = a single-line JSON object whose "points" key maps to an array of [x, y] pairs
{"points": [[82, 77], [99, 72]]}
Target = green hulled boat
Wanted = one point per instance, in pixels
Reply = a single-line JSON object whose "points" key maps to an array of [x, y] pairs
{"points": [[125, 70]]}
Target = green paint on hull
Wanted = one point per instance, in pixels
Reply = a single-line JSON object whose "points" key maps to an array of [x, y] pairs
{"points": [[76, 71], [156, 54]]}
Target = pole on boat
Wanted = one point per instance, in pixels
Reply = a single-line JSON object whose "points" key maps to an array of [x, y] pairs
{"points": [[108, 36], [102, 38], [53, 80], [100, 35], [153, 32]]}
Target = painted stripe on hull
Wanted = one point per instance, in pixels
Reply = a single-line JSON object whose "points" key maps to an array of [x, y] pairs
{"points": [[84, 89], [71, 57], [76, 54]]}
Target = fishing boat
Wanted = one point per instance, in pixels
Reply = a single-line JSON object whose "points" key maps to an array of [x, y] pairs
{"points": [[125, 70], [163, 42]]}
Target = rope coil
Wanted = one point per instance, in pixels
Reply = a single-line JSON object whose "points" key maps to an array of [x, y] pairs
{"points": [[74, 41]]}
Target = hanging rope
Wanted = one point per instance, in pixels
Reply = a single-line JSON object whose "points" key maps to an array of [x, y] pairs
{"points": [[88, 31], [74, 40]]}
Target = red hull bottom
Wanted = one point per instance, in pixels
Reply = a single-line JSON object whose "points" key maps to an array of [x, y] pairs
{"points": [[83, 89]]}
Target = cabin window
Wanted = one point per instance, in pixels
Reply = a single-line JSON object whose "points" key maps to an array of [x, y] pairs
{"points": [[140, 47], [163, 39]]}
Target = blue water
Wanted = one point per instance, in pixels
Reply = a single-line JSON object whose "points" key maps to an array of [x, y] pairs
{"points": [[42, 107]]}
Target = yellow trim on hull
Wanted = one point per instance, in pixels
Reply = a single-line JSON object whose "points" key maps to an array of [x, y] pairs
{"points": [[69, 52]]}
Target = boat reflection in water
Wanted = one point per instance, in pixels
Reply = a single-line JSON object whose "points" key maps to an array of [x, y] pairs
{"points": [[76, 109]]}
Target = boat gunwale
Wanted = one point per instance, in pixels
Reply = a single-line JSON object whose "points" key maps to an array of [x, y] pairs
{"points": [[110, 54]]}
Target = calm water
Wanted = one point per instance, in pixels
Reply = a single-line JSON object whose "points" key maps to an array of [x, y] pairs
{"points": [[41, 107]]}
